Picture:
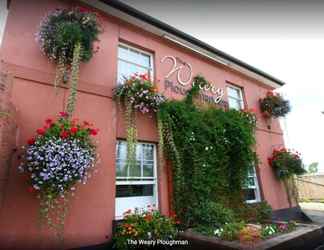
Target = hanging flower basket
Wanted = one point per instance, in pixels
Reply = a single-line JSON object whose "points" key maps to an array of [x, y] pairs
{"points": [[59, 156], [273, 105], [286, 163], [137, 93], [61, 30], [66, 37]]}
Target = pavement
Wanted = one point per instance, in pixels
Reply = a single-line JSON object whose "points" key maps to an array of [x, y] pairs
{"points": [[314, 210]]}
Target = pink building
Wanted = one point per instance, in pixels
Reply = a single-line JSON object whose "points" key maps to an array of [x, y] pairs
{"points": [[131, 42]]}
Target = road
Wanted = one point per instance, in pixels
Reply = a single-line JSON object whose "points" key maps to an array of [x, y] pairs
{"points": [[314, 210]]}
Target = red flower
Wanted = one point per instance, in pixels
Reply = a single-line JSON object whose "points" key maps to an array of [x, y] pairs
{"points": [[64, 134], [83, 10], [64, 114], [85, 123], [148, 217], [94, 131], [41, 131], [49, 121], [30, 189], [269, 93], [31, 141], [74, 130], [144, 77]]}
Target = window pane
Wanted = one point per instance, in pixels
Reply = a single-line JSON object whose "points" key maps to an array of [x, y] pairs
{"points": [[148, 170], [121, 169], [249, 194], [234, 92], [148, 152], [134, 190], [251, 181], [123, 52], [134, 56], [234, 104], [121, 150], [144, 60], [123, 71], [135, 171]]}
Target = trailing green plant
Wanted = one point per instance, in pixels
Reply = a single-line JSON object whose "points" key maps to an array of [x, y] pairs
{"points": [[138, 93], [142, 225], [59, 156], [274, 105], [211, 152], [66, 37]]}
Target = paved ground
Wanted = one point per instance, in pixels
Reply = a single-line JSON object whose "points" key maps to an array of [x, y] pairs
{"points": [[314, 210]]}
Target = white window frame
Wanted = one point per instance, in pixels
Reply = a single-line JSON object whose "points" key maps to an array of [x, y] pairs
{"points": [[3, 18], [133, 180], [151, 56], [256, 187], [240, 90]]}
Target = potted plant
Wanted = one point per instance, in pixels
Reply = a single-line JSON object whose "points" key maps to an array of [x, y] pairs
{"points": [[274, 105], [66, 37], [138, 93], [60, 155], [286, 164]]}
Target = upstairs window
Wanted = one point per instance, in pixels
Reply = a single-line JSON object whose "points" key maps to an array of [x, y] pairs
{"points": [[3, 18], [235, 97], [131, 61]]}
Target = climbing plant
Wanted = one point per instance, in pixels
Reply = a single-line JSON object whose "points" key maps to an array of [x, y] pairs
{"points": [[66, 37], [211, 151]]}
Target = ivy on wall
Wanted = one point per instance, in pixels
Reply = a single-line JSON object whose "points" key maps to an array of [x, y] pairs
{"points": [[211, 151]]}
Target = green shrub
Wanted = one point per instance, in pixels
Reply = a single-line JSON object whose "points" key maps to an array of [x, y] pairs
{"points": [[256, 212], [212, 214]]}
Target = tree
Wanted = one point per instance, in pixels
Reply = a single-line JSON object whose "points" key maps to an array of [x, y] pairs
{"points": [[313, 168]]}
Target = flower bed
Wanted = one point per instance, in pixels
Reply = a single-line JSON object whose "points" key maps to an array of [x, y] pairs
{"points": [[304, 236], [145, 229]]}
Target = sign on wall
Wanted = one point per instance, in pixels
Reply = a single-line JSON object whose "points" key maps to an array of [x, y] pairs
{"points": [[183, 74]]}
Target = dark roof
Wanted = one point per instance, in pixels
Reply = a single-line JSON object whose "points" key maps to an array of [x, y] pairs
{"points": [[178, 33]]}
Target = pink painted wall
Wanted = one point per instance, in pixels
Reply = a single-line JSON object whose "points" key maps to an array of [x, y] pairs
{"points": [[92, 210]]}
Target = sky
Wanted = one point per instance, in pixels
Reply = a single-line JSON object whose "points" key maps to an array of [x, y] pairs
{"points": [[282, 38]]}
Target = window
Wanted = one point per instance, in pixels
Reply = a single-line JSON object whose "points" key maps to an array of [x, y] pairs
{"points": [[3, 18], [135, 186], [131, 61], [235, 97], [252, 192]]}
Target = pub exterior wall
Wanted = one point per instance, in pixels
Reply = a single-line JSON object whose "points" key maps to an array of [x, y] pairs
{"points": [[92, 209]]}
